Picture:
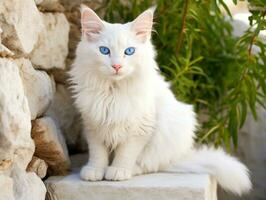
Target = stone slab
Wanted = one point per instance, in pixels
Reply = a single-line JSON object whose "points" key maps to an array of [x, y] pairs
{"points": [[160, 186]]}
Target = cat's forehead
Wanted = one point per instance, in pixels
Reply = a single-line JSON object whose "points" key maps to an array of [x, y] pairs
{"points": [[117, 34]]}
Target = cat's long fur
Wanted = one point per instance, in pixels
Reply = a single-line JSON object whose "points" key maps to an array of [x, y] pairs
{"points": [[134, 113]]}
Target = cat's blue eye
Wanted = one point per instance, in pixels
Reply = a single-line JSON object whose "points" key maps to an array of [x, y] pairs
{"points": [[130, 51], [104, 50]]}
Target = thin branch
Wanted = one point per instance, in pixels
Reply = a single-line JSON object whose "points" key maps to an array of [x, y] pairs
{"points": [[183, 27], [251, 44]]}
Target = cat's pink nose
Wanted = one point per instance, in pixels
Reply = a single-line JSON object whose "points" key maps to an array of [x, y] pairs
{"points": [[116, 67]]}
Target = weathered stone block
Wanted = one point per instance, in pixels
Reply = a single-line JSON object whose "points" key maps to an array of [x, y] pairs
{"points": [[21, 23], [49, 5], [16, 144], [38, 87], [27, 186], [38, 166], [6, 185], [50, 146], [52, 46], [147, 187]]}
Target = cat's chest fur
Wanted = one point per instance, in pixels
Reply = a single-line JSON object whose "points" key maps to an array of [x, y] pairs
{"points": [[116, 112]]}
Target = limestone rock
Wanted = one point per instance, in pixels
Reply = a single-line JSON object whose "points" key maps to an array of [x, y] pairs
{"points": [[38, 166], [52, 46], [1, 31], [146, 187], [60, 75], [16, 144], [5, 164], [27, 186], [50, 146], [6, 185], [63, 111], [49, 5], [5, 52], [21, 23], [38, 87]]}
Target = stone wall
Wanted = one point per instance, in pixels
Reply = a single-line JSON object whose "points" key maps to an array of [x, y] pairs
{"points": [[36, 111]]}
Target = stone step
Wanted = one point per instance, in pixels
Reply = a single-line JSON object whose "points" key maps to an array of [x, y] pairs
{"points": [[160, 186]]}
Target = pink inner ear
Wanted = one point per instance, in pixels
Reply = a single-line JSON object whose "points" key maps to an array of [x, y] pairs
{"points": [[142, 25], [91, 24]]}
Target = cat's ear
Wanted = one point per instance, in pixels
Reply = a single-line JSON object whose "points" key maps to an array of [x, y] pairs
{"points": [[142, 25], [91, 24]]}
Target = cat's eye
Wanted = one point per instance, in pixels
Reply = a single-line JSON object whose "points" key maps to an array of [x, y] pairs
{"points": [[129, 51], [104, 50]]}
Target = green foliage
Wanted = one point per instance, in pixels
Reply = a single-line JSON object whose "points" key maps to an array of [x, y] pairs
{"points": [[205, 63]]}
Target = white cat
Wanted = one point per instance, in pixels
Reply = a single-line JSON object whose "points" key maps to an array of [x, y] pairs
{"points": [[129, 111]]}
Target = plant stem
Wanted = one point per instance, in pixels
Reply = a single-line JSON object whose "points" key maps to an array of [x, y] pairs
{"points": [[183, 26]]}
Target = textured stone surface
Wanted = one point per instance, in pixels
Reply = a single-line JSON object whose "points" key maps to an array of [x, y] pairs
{"points": [[49, 5], [52, 46], [50, 145], [27, 186], [16, 144], [6, 185], [5, 52], [21, 23], [147, 187], [1, 31], [63, 111], [38, 87], [60, 76], [38, 166]]}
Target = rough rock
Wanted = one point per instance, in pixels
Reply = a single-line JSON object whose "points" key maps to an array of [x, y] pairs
{"points": [[6, 185], [38, 166], [16, 145], [60, 76], [65, 114], [5, 52], [49, 5], [147, 187], [38, 87], [1, 31], [50, 146], [21, 23], [52, 46], [27, 186]]}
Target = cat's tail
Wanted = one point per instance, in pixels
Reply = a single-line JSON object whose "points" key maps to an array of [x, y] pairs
{"points": [[231, 174]]}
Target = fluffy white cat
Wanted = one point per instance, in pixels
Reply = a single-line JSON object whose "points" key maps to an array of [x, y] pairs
{"points": [[129, 111]]}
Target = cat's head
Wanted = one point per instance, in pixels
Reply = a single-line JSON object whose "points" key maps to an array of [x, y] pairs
{"points": [[115, 51]]}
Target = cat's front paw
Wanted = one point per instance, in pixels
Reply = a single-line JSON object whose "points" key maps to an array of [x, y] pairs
{"points": [[88, 173], [117, 174]]}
